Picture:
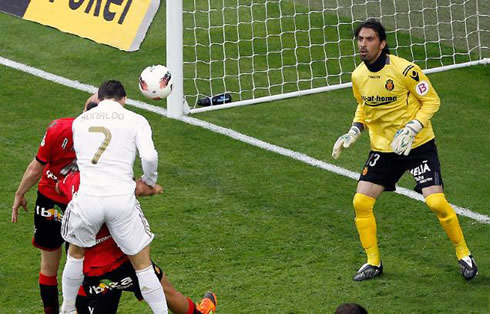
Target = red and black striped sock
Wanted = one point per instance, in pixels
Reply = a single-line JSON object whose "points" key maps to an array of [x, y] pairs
{"points": [[192, 307], [48, 286]]}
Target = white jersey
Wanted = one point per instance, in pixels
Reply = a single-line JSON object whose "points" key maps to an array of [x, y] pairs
{"points": [[106, 140]]}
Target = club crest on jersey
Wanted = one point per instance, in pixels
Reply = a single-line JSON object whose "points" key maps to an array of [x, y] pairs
{"points": [[364, 171], [389, 85]]}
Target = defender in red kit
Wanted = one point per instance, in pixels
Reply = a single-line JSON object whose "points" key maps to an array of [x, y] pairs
{"points": [[55, 158]]}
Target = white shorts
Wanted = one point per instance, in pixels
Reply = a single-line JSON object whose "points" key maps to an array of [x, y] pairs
{"points": [[128, 226]]}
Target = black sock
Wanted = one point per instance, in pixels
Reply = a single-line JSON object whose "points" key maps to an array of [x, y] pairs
{"points": [[49, 294]]}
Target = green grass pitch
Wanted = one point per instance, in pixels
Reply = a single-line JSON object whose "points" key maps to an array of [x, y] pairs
{"points": [[267, 233]]}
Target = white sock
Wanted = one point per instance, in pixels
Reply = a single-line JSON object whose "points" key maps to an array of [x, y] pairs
{"points": [[72, 279], [152, 290]]}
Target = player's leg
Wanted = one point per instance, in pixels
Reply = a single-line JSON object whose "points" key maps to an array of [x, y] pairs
{"points": [[81, 222], [380, 173], [180, 304], [48, 283], [207, 304], [427, 173], [72, 277], [82, 302], [176, 301], [47, 238], [436, 201], [99, 302], [106, 305], [101, 293], [364, 200], [150, 286], [131, 231]]}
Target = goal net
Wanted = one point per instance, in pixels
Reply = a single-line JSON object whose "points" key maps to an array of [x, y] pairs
{"points": [[264, 50]]}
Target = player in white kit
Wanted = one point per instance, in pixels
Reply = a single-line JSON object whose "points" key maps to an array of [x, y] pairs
{"points": [[106, 141]]}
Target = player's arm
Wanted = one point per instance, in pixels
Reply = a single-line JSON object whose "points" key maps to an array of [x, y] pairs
{"points": [[31, 176], [419, 85], [69, 185], [349, 138], [148, 154], [427, 95], [33, 172]]}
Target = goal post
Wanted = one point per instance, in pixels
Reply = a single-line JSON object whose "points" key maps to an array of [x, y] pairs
{"points": [[265, 50], [176, 106]]}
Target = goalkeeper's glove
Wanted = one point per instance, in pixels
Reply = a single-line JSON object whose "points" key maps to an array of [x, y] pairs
{"points": [[402, 142], [345, 141]]}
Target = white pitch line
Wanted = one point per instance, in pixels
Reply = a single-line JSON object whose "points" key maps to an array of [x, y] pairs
{"points": [[233, 134], [74, 84], [318, 163]]}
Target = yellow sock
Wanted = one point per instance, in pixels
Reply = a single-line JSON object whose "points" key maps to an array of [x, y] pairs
{"points": [[366, 226], [449, 221]]}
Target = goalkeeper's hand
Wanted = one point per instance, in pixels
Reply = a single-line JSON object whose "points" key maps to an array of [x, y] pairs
{"points": [[402, 142], [345, 141]]}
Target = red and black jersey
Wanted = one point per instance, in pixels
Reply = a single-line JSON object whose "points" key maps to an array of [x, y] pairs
{"points": [[105, 256], [57, 155], [69, 185]]}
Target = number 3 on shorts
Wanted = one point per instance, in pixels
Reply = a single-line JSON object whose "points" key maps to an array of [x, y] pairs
{"points": [[105, 143], [374, 158]]}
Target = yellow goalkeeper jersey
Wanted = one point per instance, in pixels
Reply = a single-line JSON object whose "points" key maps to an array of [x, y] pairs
{"points": [[391, 94]]}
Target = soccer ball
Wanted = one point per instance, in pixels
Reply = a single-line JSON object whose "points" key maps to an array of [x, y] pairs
{"points": [[156, 82]]}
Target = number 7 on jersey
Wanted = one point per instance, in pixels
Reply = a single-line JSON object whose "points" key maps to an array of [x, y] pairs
{"points": [[105, 143]]}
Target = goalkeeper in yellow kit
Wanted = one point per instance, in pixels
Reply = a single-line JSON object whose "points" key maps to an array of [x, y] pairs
{"points": [[395, 103]]}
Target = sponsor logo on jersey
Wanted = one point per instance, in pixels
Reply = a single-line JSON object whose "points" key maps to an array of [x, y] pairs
{"points": [[389, 85], [421, 179], [103, 239], [51, 175], [377, 100], [415, 75], [420, 169], [50, 214], [374, 76], [106, 285], [422, 88], [419, 173]]}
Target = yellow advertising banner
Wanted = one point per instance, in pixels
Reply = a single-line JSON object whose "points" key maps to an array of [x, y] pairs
{"points": [[118, 23]]}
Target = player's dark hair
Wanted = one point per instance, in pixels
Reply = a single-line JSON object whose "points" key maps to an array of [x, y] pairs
{"points": [[91, 105], [111, 89], [350, 308], [375, 25]]}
